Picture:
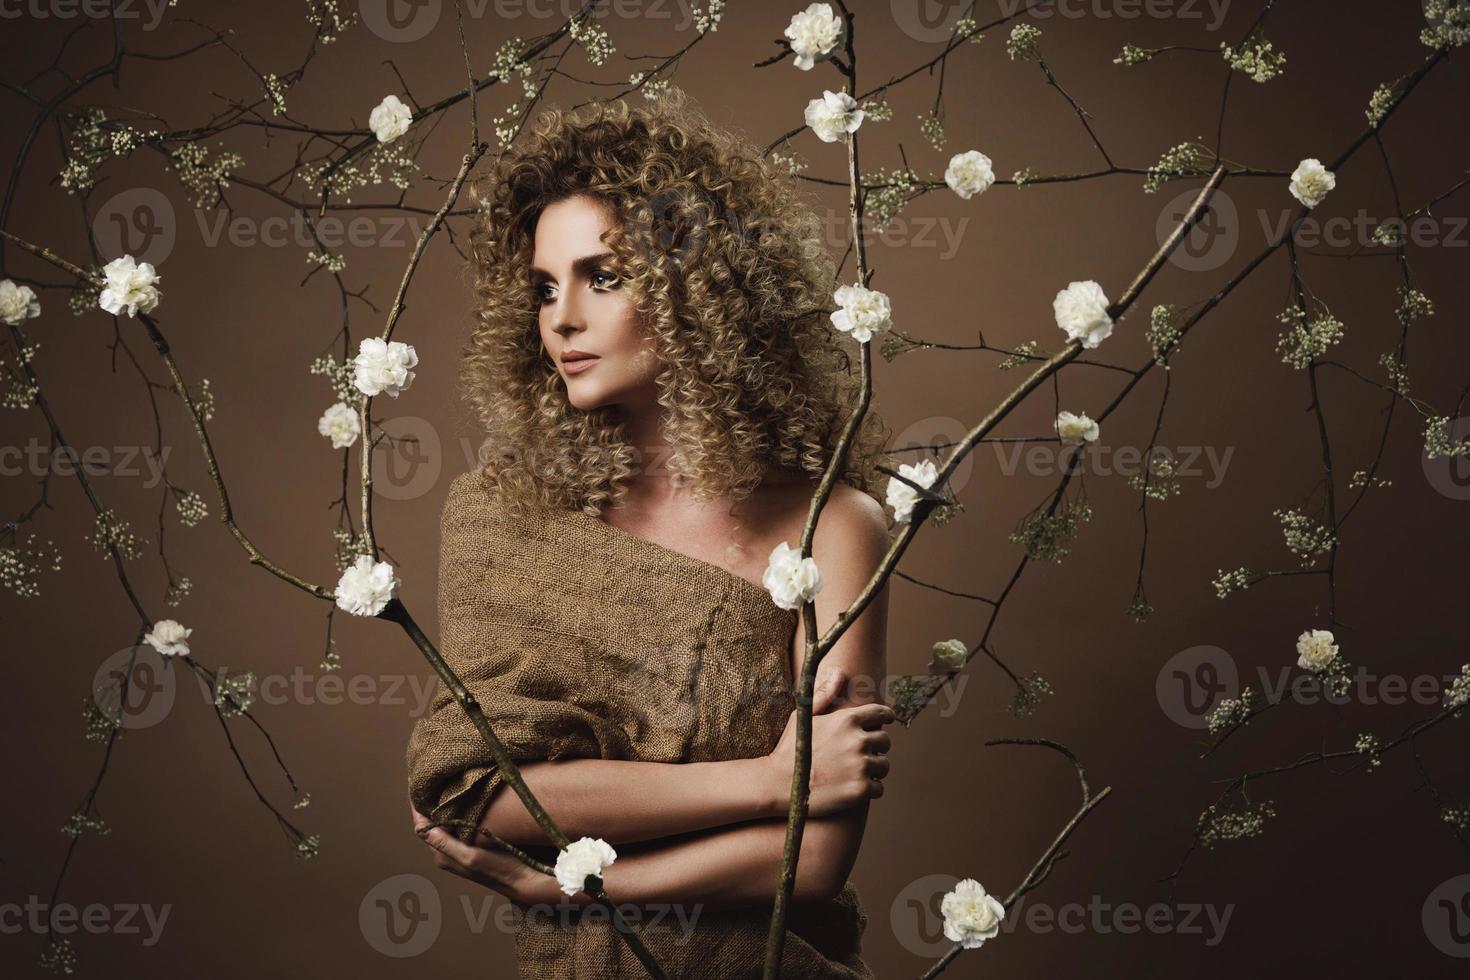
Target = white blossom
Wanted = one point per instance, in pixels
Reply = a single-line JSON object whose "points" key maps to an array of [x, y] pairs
{"points": [[168, 637], [1076, 429], [861, 312], [17, 302], [1082, 311], [588, 856], [814, 33], [383, 368], [390, 119], [365, 588], [971, 915], [339, 423], [901, 496], [130, 286], [791, 579], [1315, 649], [951, 653], [1311, 181], [833, 116], [969, 173]]}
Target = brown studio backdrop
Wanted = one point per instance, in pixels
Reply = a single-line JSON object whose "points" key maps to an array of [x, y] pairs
{"points": [[1337, 883]]}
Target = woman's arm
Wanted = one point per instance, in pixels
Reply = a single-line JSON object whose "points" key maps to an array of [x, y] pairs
{"points": [[733, 867], [628, 801]]}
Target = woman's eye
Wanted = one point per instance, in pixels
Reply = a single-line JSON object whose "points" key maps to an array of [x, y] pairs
{"points": [[612, 280], [540, 295]]}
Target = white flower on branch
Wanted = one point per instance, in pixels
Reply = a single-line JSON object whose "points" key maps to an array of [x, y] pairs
{"points": [[168, 637], [1311, 181], [814, 33], [1316, 649], [131, 286], [971, 915], [791, 579], [951, 653], [901, 496], [365, 588], [588, 856], [17, 302], [339, 423], [861, 312], [1082, 311], [969, 173], [1075, 430], [383, 368], [833, 116], [390, 119]]}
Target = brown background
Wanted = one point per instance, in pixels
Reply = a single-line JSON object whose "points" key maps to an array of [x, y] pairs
{"points": [[1336, 885]]}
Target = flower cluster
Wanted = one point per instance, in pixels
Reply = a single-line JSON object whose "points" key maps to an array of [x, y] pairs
{"points": [[1231, 712], [1081, 310], [131, 286], [1045, 536], [1228, 582], [971, 915], [1304, 538], [814, 33], [1024, 42], [861, 312], [1439, 441], [791, 579], [1217, 825], [366, 588], [580, 860], [1311, 182], [969, 173], [833, 116], [192, 508], [17, 303], [1304, 341], [1185, 160], [1163, 332], [383, 367], [1256, 57], [1075, 430], [902, 497], [1132, 55], [340, 424], [111, 532], [169, 637], [1316, 650]]}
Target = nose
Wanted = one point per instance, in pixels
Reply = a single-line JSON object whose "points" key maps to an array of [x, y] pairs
{"points": [[567, 314]]}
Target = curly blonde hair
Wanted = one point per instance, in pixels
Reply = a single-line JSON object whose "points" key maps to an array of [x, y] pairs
{"points": [[729, 274]]}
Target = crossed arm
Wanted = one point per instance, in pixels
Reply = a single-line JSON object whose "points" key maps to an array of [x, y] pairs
{"points": [[712, 833]]}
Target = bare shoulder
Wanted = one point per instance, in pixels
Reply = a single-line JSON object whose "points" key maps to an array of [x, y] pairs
{"points": [[853, 528]]}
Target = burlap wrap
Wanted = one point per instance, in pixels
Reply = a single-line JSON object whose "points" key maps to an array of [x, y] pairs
{"points": [[580, 640]]}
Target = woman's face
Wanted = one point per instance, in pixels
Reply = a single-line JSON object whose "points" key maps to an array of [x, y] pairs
{"points": [[584, 306]]}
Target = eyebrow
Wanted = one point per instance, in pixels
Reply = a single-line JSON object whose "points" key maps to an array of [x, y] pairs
{"points": [[584, 265]]}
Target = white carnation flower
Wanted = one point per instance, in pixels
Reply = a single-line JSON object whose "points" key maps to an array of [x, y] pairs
{"points": [[951, 653], [581, 858], [791, 579], [1076, 429], [901, 496], [971, 915], [969, 173], [833, 116], [366, 586], [814, 33], [383, 368], [862, 312], [1082, 311], [1311, 181], [1315, 649], [339, 423], [168, 637], [130, 286], [390, 119], [17, 302]]}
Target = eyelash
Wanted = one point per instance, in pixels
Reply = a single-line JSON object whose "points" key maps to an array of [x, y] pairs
{"points": [[541, 299]]}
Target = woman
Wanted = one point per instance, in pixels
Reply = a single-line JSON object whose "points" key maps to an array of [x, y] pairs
{"points": [[661, 389]]}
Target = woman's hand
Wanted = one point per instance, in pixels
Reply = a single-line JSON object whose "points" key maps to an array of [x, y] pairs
{"points": [[849, 754], [491, 867]]}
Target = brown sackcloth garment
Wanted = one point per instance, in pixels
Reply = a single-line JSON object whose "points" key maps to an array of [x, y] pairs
{"points": [[581, 640]]}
